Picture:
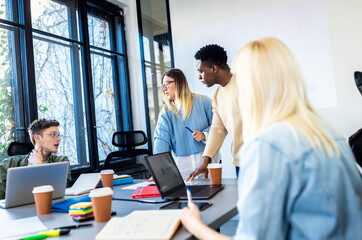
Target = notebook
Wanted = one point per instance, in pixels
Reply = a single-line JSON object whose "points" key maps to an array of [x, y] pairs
{"points": [[146, 192], [169, 180], [21, 181]]}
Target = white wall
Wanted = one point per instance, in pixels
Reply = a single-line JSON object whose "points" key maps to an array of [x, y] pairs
{"points": [[344, 23]]}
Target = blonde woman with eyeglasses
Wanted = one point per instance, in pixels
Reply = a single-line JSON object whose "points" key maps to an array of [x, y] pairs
{"points": [[298, 178], [183, 123]]}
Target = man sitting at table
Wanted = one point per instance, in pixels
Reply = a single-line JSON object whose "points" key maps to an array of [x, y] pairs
{"points": [[45, 136]]}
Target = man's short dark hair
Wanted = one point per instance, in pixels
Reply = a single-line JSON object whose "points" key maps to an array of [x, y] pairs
{"points": [[213, 54], [39, 125]]}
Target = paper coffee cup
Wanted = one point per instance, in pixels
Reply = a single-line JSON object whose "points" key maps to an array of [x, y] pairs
{"points": [[215, 172], [107, 178], [43, 199], [102, 203]]}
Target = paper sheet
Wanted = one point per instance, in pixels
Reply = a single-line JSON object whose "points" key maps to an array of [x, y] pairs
{"points": [[148, 224], [135, 186], [21, 226]]}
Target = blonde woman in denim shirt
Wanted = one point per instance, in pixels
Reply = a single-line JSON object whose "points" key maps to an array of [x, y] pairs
{"points": [[298, 178]]}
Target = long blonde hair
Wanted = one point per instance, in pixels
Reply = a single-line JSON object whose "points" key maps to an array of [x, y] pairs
{"points": [[272, 89], [183, 94]]}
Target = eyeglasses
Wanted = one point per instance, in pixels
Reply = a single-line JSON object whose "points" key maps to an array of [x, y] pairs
{"points": [[54, 135], [167, 84]]}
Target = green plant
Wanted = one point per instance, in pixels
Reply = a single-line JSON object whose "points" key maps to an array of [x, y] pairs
{"points": [[6, 105]]}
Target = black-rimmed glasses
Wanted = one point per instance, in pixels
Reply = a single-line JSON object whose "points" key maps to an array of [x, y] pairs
{"points": [[54, 135], [167, 84]]}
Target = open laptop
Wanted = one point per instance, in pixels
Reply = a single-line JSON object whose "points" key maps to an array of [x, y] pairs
{"points": [[169, 180], [21, 181]]}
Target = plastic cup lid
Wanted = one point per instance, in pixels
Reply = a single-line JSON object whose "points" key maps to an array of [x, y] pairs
{"points": [[214, 165], [101, 192], [42, 189], [107, 171]]}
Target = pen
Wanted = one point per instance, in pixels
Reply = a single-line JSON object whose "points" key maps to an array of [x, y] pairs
{"points": [[75, 226], [51, 233], [189, 129], [189, 196]]}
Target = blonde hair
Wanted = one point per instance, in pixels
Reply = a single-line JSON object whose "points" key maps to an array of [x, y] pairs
{"points": [[272, 89], [183, 94]]}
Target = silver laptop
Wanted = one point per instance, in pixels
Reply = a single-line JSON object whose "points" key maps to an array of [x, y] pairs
{"points": [[169, 180], [21, 181]]}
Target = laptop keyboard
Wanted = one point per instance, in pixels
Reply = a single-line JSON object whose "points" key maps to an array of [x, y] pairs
{"points": [[182, 192], [196, 188]]}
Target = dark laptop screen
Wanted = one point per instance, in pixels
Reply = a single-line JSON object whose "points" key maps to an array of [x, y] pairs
{"points": [[164, 171]]}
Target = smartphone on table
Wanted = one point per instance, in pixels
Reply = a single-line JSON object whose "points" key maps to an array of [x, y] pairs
{"points": [[181, 205], [89, 217]]}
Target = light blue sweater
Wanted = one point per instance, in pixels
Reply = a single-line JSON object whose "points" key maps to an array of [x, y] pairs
{"points": [[171, 134]]}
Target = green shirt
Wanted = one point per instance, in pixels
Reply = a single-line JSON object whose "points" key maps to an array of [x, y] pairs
{"points": [[20, 161]]}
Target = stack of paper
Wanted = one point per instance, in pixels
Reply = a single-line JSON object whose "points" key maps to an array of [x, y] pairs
{"points": [[82, 210], [89, 181]]}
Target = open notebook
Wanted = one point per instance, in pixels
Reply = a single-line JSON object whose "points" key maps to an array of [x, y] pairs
{"points": [[148, 224]]}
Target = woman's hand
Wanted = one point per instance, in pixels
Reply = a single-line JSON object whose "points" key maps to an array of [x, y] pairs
{"points": [[199, 136], [191, 218], [150, 179]]}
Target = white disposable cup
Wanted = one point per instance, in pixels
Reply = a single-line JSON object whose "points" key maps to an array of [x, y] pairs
{"points": [[43, 198], [102, 203], [215, 172], [107, 178]]}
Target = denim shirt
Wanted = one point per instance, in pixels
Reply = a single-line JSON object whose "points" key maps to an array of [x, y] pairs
{"points": [[288, 189]]}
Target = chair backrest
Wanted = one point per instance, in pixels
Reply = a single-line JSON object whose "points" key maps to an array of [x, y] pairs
{"points": [[18, 148], [126, 157], [129, 139], [358, 79], [355, 141]]}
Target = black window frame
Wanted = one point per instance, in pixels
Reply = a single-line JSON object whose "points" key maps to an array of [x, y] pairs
{"points": [[25, 87]]}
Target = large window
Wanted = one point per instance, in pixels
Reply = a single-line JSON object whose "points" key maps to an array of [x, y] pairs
{"points": [[73, 69], [157, 53]]}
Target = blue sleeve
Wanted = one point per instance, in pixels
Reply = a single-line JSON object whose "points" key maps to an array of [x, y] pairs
{"points": [[263, 188], [207, 106], [162, 134]]}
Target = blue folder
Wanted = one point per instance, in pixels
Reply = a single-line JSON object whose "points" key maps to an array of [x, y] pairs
{"points": [[63, 206]]}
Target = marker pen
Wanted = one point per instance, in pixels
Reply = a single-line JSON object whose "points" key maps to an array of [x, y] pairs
{"points": [[189, 196]]}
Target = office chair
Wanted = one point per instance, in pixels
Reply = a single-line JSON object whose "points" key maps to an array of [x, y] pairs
{"points": [[124, 161], [18, 148], [358, 80], [355, 141]]}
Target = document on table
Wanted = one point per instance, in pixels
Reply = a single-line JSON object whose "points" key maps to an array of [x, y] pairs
{"points": [[135, 186], [20, 227], [147, 224]]}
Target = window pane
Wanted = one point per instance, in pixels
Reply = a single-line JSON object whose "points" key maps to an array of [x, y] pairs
{"points": [[99, 35], [104, 102], [156, 52], [7, 77], [8, 10], [51, 16], [155, 102], [59, 94]]}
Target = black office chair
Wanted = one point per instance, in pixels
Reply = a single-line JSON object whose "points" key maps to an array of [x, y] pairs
{"points": [[355, 141], [18, 148], [124, 161]]}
